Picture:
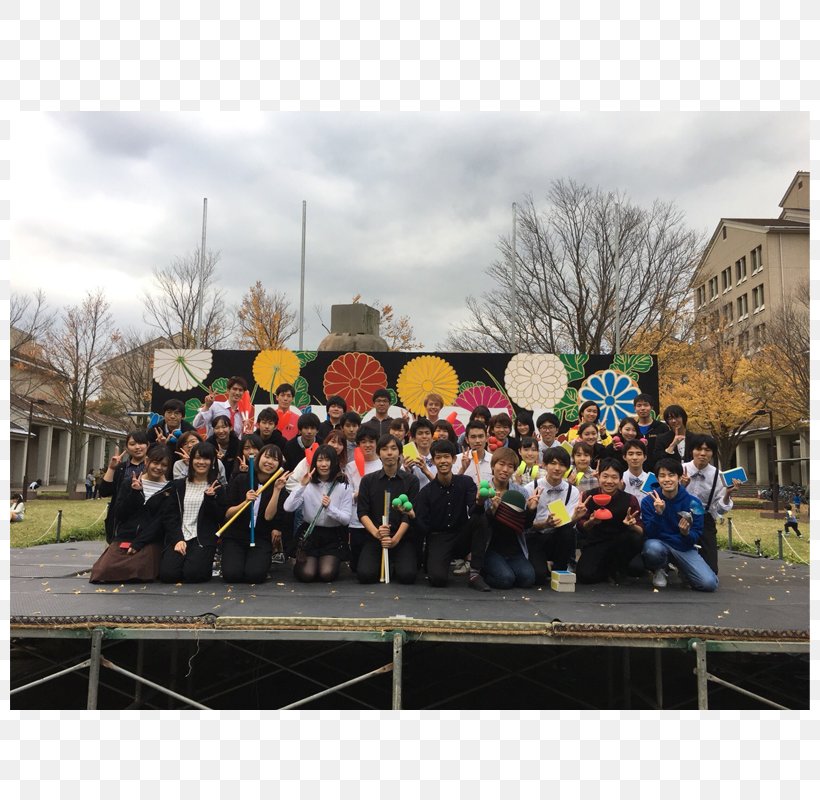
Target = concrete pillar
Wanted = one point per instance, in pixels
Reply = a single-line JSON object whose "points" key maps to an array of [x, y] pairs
{"points": [[742, 456], [805, 445], [64, 445], [43, 468], [762, 461], [97, 452], [784, 450], [17, 454]]}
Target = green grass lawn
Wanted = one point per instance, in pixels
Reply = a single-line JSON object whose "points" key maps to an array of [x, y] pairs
{"points": [[82, 519], [748, 526]]}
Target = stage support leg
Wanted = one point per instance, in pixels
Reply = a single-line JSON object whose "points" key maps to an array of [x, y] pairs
{"points": [[627, 679], [700, 670], [398, 657], [173, 671], [94, 669], [658, 678], [140, 663]]}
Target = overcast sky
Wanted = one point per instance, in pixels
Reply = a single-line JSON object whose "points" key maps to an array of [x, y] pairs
{"points": [[407, 208]]}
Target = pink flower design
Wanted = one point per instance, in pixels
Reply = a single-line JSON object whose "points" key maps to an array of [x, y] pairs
{"points": [[481, 396]]}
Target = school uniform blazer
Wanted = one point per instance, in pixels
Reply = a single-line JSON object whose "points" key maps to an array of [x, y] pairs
{"points": [[663, 441], [656, 429], [209, 520], [144, 522]]}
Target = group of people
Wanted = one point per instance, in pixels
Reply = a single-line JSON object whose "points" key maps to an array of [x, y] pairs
{"points": [[511, 498]]}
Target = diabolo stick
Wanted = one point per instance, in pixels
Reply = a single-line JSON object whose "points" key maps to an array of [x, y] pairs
{"points": [[244, 505], [385, 570], [253, 516]]}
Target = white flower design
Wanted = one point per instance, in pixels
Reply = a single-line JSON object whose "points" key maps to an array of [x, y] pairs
{"points": [[178, 370], [535, 379], [613, 392]]}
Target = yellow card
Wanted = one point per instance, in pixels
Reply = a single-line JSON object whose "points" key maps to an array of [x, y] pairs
{"points": [[558, 508], [410, 451]]}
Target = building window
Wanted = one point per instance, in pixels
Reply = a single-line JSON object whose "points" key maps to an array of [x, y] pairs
{"points": [[743, 341], [724, 231], [713, 288], [760, 335], [757, 260], [740, 269], [728, 314], [742, 307], [701, 296], [726, 279], [757, 298]]}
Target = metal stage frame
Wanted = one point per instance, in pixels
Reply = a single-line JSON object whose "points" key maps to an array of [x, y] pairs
{"points": [[396, 634]]}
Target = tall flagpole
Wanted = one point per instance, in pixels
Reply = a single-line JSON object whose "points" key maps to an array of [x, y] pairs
{"points": [[200, 334], [302, 285]]}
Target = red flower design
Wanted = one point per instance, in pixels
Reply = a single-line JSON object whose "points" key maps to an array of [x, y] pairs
{"points": [[355, 376]]}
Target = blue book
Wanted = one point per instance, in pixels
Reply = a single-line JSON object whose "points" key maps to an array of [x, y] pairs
{"points": [[650, 484], [736, 474]]}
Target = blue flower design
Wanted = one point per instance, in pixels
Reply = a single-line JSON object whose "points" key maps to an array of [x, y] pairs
{"points": [[614, 394]]}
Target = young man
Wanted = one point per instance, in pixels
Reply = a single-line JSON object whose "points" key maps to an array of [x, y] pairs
{"points": [[173, 411], [648, 428], [395, 533], [677, 441], [634, 454], [336, 408], [421, 431], [380, 422], [701, 479], [609, 546], [366, 442], [476, 440], [445, 514], [433, 404], [308, 426], [350, 427], [237, 386], [547, 424], [583, 474], [673, 524], [550, 539], [501, 427], [266, 422], [288, 420]]}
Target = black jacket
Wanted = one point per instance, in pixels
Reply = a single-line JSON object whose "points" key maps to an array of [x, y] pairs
{"points": [[152, 433], [125, 469], [142, 522], [240, 531], [656, 429], [211, 515], [663, 441]]}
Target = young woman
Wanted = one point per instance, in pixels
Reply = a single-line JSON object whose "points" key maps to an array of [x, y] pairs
{"points": [[18, 508], [189, 555], [146, 514], [225, 442], [242, 563], [589, 412], [121, 469], [325, 496], [528, 470], [588, 432], [250, 445], [627, 432], [444, 430]]}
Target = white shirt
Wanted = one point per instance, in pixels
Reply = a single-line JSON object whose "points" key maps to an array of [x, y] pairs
{"points": [[550, 494], [701, 487], [354, 479], [630, 487], [423, 479], [220, 408], [484, 468], [309, 499]]}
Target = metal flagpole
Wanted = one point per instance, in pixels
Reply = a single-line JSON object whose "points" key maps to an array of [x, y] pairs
{"points": [[201, 299], [302, 285]]}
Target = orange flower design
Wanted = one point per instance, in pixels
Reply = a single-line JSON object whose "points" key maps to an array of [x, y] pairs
{"points": [[355, 376]]}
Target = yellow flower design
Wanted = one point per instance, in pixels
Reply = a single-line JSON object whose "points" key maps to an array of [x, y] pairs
{"points": [[423, 375], [272, 367]]}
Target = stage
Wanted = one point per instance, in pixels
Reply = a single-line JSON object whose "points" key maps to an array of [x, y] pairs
{"points": [[761, 606]]}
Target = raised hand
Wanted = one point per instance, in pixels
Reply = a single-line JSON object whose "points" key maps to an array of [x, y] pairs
{"points": [[247, 426], [136, 482], [161, 437], [685, 479], [631, 518], [307, 476], [114, 462], [243, 465], [579, 510], [532, 500], [280, 482], [211, 490], [209, 400], [658, 502]]}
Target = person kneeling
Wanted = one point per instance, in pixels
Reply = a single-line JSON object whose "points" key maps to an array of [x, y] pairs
{"points": [[326, 501], [189, 557], [610, 528], [673, 523]]}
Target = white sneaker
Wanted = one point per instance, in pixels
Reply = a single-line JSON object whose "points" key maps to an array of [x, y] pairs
{"points": [[659, 579], [462, 569]]}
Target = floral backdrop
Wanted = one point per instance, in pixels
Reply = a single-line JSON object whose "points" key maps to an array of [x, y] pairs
{"points": [[533, 381]]}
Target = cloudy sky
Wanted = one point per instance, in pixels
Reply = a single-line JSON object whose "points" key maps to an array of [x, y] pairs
{"points": [[404, 208]]}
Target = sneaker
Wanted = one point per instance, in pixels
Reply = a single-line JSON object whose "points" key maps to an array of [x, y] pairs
{"points": [[477, 582], [462, 569], [456, 563], [278, 558], [659, 579]]}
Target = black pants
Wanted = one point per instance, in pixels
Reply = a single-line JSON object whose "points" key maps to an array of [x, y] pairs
{"points": [[556, 545], [196, 566], [602, 558], [708, 543], [244, 564], [444, 546], [403, 560]]}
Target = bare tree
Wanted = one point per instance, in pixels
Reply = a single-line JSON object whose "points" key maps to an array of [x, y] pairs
{"points": [[30, 322], [171, 308], [266, 319], [565, 276], [79, 346]]}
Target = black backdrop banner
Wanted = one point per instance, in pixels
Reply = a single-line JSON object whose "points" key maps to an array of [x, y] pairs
{"points": [[536, 382]]}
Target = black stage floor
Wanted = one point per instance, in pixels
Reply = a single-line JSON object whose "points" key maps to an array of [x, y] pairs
{"points": [[50, 582]]}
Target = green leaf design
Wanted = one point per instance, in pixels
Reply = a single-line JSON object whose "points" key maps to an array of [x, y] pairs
{"points": [[192, 406], [464, 385], [632, 365], [394, 398], [220, 386], [574, 363], [305, 356], [302, 396], [567, 407]]}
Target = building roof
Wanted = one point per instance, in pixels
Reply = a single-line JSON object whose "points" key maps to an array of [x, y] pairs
{"points": [[47, 413], [799, 175]]}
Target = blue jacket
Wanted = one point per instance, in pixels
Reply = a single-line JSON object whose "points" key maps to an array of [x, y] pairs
{"points": [[665, 526]]}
